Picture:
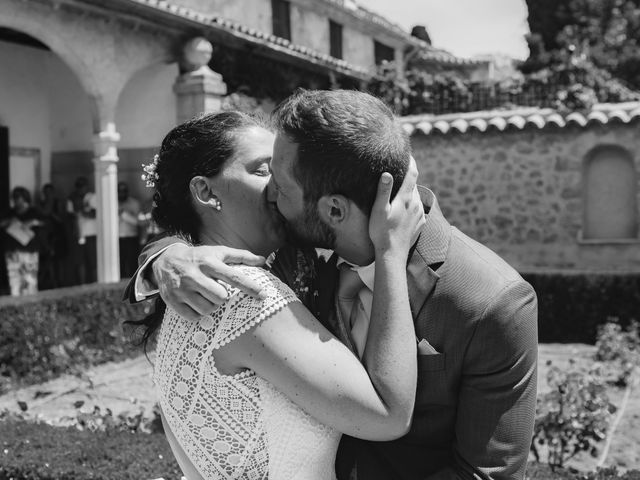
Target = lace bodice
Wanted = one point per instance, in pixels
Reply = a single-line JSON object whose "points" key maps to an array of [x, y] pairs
{"points": [[236, 426]]}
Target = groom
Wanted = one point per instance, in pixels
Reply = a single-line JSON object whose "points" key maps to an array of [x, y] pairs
{"points": [[475, 317]]}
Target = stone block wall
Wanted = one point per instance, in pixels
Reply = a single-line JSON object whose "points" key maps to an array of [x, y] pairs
{"points": [[521, 192]]}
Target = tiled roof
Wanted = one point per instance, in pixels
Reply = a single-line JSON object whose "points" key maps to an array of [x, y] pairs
{"points": [[520, 119], [359, 11], [434, 55], [255, 36]]}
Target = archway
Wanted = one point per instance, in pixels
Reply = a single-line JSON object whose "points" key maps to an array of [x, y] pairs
{"points": [[610, 194]]}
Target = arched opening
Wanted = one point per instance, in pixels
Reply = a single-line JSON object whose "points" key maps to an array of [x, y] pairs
{"points": [[145, 113], [47, 130], [610, 194]]}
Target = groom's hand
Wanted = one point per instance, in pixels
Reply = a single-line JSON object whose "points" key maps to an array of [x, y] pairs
{"points": [[187, 277]]}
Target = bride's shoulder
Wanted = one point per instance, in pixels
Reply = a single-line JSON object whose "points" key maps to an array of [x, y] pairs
{"points": [[242, 311], [271, 287]]}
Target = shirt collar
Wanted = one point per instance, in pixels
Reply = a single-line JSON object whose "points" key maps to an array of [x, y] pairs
{"points": [[367, 272]]}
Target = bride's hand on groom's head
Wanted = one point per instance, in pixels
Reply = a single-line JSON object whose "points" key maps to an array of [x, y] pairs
{"points": [[395, 224], [188, 277]]}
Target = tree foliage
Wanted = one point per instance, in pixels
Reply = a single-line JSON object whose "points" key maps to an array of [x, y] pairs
{"points": [[604, 32]]}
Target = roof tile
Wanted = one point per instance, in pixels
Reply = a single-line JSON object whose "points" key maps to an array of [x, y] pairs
{"points": [[519, 119]]}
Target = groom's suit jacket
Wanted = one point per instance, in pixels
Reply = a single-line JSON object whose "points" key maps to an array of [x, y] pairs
{"points": [[476, 397]]}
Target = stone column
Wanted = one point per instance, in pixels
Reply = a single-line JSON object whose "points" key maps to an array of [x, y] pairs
{"points": [[106, 177], [198, 88]]}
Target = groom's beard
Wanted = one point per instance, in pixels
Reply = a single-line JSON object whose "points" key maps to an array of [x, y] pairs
{"points": [[308, 230]]}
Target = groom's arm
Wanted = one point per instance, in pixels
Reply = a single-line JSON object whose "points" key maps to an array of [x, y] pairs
{"points": [[497, 401], [188, 277], [142, 285]]}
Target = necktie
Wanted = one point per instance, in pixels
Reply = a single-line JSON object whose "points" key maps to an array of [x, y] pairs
{"points": [[349, 286]]}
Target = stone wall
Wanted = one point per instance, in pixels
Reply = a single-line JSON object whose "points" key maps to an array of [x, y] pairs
{"points": [[521, 192]]}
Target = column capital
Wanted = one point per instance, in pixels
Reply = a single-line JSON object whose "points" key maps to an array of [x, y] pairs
{"points": [[105, 144]]}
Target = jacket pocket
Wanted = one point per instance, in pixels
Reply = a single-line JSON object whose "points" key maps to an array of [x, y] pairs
{"points": [[431, 363]]}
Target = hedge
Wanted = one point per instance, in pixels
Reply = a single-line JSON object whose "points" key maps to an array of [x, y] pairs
{"points": [[33, 451], [61, 331], [571, 306]]}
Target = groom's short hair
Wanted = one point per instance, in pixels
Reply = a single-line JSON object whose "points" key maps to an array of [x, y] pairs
{"points": [[346, 139]]}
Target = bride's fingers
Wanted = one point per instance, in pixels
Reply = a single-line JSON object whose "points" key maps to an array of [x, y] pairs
{"points": [[385, 185], [410, 179]]}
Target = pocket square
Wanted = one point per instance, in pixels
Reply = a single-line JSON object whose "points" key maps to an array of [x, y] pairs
{"points": [[425, 348]]}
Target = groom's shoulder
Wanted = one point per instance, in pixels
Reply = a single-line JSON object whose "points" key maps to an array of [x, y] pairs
{"points": [[476, 265]]}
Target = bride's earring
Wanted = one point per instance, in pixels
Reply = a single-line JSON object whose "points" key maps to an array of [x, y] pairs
{"points": [[215, 203]]}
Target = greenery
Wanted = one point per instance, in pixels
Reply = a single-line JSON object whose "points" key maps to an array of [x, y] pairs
{"points": [[541, 471], [604, 32], [619, 349], [63, 331], [571, 307], [40, 451], [572, 417], [575, 84]]}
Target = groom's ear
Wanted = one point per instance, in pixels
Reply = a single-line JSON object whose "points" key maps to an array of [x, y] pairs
{"points": [[333, 209]]}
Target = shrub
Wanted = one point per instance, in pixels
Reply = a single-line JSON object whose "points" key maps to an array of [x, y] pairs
{"points": [[572, 417], [62, 331], [620, 350], [539, 471], [571, 307], [40, 451]]}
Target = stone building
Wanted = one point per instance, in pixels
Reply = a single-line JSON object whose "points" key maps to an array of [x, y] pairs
{"points": [[90, 87], [546, 191]]}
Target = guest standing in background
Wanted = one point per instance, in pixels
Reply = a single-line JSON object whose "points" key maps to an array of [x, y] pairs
{"points": [[82, 204], [128, 212], [22, 242], [53, 248]]}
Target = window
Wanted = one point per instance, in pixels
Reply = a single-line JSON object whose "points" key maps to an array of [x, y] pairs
{"points": [[335, 39], [610, 201], [281, 19], [383, 52]]}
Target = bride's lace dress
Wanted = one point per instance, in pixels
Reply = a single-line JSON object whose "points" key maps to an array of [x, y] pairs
{"points": [[236, 426]]}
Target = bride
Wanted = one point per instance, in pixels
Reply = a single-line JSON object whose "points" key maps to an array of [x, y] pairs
{"points": [[259, 388]]}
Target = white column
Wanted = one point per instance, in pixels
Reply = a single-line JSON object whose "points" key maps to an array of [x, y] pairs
{"points": [[106, 177]]}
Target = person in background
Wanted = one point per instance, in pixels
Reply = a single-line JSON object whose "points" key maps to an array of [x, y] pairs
{"points": [[148, 228], [22, 243], [82, 205], [53, 247], [128, 212]]}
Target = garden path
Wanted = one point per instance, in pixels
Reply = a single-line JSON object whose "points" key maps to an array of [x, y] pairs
{"points": [[120, 386]]}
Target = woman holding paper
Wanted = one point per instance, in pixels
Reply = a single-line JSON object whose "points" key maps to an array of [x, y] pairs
{"points": [[21, 243]]}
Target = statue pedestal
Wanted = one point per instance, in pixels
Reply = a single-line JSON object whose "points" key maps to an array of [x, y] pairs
{"points": [[199, 91]]}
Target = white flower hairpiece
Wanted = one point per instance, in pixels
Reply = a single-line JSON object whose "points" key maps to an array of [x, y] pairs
{"points": [[150, 176]]}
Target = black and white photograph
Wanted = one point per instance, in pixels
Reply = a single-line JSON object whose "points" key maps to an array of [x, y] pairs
{"points": [[319, 240]]}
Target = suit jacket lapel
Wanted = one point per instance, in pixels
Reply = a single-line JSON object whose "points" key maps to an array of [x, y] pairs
{"points": [[428, 254]]}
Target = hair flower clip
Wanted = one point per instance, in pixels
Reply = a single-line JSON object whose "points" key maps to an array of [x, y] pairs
{"points": [[150, 176]]}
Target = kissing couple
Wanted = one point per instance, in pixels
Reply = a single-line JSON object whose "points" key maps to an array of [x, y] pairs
{"points": [[379, 342]]}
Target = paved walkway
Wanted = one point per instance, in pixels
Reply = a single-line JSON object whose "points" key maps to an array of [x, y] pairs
{"points": [[122, 386]]}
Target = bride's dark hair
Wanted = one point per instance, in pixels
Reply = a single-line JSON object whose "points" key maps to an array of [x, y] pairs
{"points": [[200, 146]]}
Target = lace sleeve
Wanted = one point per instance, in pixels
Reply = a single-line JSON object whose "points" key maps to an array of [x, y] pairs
{"points": [[241, 311]]}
